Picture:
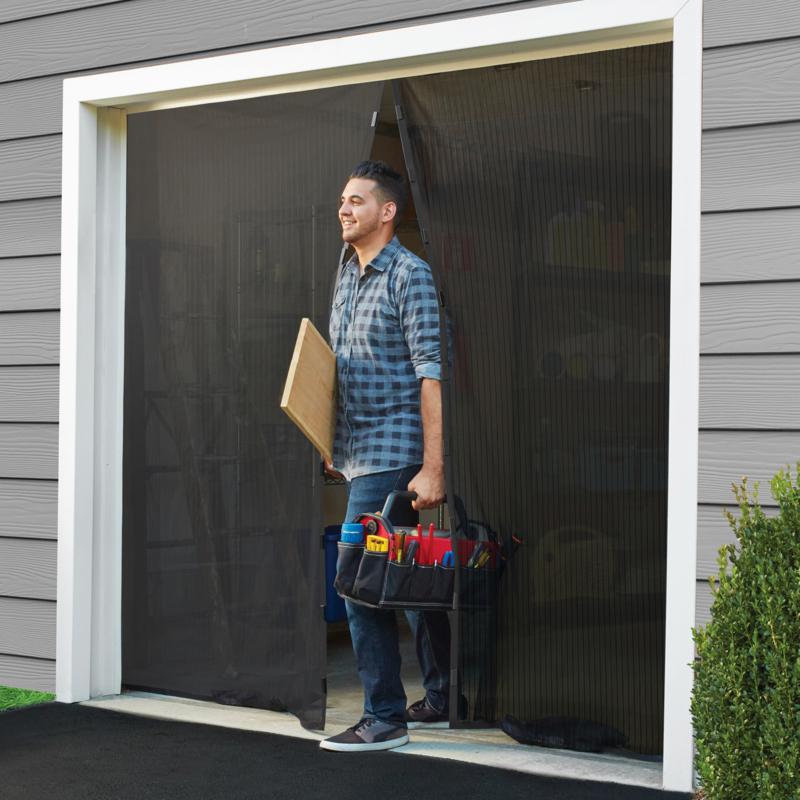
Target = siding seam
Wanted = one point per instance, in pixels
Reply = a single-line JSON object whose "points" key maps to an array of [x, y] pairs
{"points": [[33, 658], [29, 311], [768, 40], [702, 429], [714, 128], [25, 597], [29, 255], [33, 135], [754, 281], [67, 11], [386, 25], [26, 199], [736, 210]]}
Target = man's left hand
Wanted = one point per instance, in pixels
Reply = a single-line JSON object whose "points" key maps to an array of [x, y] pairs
{"points": [[429, 486]]}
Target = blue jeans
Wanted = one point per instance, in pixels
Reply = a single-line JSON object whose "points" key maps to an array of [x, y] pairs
{"points": [[374, 631]]}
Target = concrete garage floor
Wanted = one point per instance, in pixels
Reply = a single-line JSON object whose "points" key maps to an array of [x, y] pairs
{"points": [[487, 747]]}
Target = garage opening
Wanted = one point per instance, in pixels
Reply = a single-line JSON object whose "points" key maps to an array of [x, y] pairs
{"points": [[542, 191]]}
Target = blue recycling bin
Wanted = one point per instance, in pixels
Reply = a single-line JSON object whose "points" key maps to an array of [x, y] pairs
{"points": [[334, 605]]}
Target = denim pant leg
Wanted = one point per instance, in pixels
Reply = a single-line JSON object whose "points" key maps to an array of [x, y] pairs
{"points": [[432, 638], [373, 631]]}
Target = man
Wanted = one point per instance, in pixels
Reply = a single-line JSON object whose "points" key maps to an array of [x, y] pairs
{"points": [[384, 329]]}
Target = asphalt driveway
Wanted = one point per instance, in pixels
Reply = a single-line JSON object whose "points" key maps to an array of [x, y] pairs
{"points": [[72, 752]]}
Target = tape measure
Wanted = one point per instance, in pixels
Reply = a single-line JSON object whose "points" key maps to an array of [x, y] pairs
{"points": [[377, 544]]}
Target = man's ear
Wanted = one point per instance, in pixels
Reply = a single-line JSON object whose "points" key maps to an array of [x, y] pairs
{"points": [[389, 211]]}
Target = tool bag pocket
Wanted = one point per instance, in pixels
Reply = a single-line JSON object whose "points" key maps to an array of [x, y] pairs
{"points": [[422, 584], [347, 564], [443, 579], [397, 586], [368, 585], [478, 588]]}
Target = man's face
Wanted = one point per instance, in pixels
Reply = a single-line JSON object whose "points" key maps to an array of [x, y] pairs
{"points": [[361, 213]]}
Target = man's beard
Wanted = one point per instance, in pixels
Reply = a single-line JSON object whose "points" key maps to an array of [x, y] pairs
{"points": [[354, 236]]}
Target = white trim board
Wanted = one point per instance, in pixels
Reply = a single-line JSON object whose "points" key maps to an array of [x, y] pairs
{"points": [[92, 289]]}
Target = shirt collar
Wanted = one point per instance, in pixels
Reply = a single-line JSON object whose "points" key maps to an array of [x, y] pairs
{"points": [[381, 261]]}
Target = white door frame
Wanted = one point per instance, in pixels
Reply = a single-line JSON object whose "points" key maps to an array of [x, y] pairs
{"points": [[88, 648]]}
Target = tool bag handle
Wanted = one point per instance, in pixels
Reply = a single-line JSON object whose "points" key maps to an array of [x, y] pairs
{"points": [[390, 502]]}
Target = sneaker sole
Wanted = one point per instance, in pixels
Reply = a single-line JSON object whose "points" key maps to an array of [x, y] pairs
{"points": [[415, 726], [365, 747]]}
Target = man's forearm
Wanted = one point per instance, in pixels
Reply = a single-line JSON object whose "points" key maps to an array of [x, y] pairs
{"points": [[431, 407], [428, 483]]}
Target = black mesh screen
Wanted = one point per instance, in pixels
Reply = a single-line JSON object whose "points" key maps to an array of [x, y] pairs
{"points": [[232, 238], [548, 190]]}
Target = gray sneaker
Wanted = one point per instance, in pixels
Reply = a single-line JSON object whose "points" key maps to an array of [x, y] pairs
{"points": [[367, 734]]}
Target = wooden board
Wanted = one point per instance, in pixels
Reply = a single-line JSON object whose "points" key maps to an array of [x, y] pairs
{"points": [[309, 396]]}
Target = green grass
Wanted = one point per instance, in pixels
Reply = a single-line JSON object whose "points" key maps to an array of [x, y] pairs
{"points": [[15, 698]]}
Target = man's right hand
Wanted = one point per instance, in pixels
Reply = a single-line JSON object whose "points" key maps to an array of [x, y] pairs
{"points": [[329, 470]]}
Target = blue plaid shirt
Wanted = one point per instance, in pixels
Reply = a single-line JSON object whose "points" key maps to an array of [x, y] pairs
{"points": [[384, 330]]}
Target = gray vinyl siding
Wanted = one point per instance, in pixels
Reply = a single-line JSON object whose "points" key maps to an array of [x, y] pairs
{"points": [[41, 43], [750, 326], [750, 340]]}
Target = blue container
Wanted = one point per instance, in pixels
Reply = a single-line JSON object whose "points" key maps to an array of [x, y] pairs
{"points": [[334, 605]]}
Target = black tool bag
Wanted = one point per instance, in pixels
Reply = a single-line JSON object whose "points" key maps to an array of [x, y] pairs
{"points": [[380, 580]]}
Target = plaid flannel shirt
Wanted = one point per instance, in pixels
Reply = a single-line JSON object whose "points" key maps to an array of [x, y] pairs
{"points": [[384, 329]]}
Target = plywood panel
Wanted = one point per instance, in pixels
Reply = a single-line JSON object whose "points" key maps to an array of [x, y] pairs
{"points": [[309, 396], [30, 227], [750, 318], [734, 21], [751, 246], [29, 394], [750, 392], [29, 338], [751, 84], [29, 508], [28, 673], [147, 29], [29, 284], [27, 627], [28, 568], [28, 451], [30, 168], [749, 168], [25, 9], [725, 456]]}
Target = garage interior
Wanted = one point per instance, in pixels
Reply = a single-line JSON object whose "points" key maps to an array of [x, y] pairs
{"points": [[546, 189]]}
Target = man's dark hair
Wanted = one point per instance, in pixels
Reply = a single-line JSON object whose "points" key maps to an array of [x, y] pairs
{"points": [[391, 185]]}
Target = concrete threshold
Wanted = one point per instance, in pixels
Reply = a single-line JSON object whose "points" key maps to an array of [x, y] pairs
{"points": [[486, 747]]}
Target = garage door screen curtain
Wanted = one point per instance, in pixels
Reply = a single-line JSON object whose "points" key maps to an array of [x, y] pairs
{"points": [[232, 238], [547, 187]]}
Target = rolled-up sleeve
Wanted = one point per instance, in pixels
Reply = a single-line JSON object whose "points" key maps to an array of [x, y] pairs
{"points": [[419, 319]]}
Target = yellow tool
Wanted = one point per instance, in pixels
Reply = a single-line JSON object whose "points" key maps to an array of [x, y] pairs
{"points": [[400, 544], [377, 544]]}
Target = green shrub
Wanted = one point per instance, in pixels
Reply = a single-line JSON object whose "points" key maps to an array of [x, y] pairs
{"points": [[746, 697]]}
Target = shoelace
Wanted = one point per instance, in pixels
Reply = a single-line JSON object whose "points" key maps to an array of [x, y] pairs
{"points": [[365, 723]]}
